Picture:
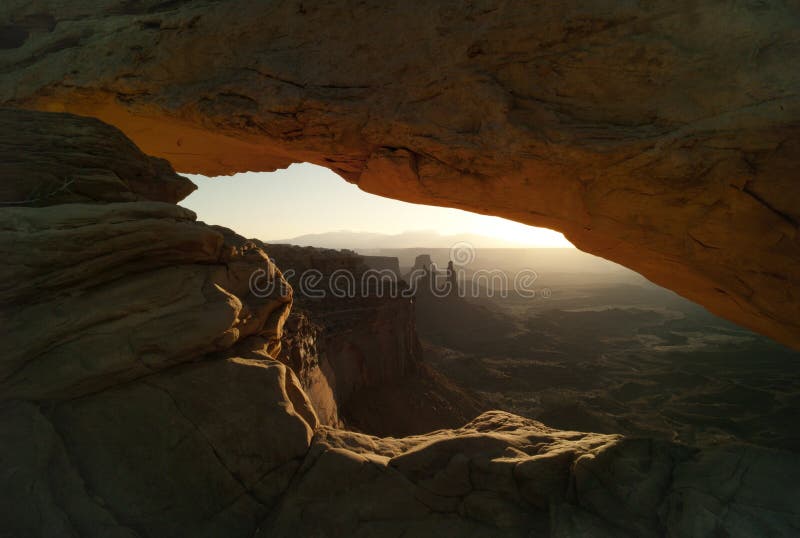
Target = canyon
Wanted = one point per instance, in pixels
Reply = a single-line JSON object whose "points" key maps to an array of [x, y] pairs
{"points": [[146, 390], [358, 355]]}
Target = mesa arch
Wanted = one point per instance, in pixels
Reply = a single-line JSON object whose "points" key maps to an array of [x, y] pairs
{"points": [[666, 139]]}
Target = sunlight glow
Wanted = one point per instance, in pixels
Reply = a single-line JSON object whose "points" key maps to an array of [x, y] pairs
{"points": [[308, 199]]}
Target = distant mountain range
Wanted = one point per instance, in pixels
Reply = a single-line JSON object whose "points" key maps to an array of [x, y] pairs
{"points": [[411, 239]]}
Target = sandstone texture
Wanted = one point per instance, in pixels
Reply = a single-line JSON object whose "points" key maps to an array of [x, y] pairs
{"points": [[48, 163], [502, 475], [662, 136], [96, 294]]}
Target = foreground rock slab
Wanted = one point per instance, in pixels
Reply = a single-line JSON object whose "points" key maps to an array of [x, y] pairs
{"points": [[502, 475], [204, 450]]}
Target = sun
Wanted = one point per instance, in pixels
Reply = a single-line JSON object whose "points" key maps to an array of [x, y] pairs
{"points": [[507, 230]]}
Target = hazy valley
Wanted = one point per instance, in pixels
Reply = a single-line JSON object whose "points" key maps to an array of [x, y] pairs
{"points": [[602, 350]]}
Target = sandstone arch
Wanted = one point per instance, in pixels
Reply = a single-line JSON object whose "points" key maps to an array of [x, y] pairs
{"points": [[662, 136]]}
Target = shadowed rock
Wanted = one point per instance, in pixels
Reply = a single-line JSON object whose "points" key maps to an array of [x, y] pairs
{"points": [[47, 162], [94, 294]]}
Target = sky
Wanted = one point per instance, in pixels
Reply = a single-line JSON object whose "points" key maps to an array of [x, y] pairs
{"points": [[309, 199]]}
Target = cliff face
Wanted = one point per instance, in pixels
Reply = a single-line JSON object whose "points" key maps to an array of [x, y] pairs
{"points": [[358, 356], [302, 347], [663, 137], [363, 344], [139, 397], [351, 352], [356, 349]]}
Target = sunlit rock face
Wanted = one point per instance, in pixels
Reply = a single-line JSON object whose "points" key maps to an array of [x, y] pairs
{"points": [[662, 137]]}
